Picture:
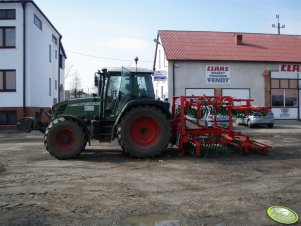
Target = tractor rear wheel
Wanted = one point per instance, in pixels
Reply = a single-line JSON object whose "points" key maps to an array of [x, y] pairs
{"points": [[64, 139], [144, 132]]}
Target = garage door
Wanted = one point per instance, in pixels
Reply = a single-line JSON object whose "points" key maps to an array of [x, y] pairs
{"points": [[237, 93], [199, 92]]}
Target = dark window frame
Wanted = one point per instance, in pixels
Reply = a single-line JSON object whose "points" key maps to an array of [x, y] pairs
{"points": [[38, 22], [54, 39], [7, 118], [4, 81], [3, 44], [7, 15]]}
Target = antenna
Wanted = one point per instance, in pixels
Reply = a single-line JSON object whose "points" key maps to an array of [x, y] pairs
{"points": [[278, 24]]}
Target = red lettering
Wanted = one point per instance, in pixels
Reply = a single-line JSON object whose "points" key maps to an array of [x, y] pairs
{"points": [[217, 68], [283, 67], [289, 68], [296, 68]]}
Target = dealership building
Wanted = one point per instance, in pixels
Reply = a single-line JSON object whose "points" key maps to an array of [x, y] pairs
{"points": [[263, 67]]}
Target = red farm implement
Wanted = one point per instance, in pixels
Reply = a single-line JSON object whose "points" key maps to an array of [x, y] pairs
{"points": [[190, 133]]}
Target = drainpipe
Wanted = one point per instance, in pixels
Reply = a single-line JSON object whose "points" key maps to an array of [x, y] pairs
{"points": [[59, 74], [173, 78], [24, 56]]}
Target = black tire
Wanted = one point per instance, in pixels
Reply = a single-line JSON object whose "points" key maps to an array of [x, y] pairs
{"points": [[249, 124], [144, 132], [118, 135], [270, 125], [64, 139]]}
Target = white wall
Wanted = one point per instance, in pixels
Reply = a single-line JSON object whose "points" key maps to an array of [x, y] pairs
{"points": [[243, 75], [161, 65], [13, 58], [39, 68]]}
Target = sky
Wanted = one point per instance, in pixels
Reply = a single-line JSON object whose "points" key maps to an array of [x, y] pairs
{"points": [[105, 33]]}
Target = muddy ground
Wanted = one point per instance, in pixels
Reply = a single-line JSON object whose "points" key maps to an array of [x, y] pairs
{"points": [[104, 187]]}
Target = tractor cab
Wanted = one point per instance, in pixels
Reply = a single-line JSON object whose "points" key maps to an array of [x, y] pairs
{"points": [[119, 86]]}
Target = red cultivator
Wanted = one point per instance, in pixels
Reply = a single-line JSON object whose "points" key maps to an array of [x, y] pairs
{"points": [[191, 133]]}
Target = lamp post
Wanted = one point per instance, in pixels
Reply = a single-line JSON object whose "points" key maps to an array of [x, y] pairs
{"points": [[136, 61]]}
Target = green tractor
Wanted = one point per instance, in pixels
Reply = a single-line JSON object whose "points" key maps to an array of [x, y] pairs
{"points": [[125, 109]]}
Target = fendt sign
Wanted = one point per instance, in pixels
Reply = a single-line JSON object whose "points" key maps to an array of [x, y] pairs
{"points": [[289, 68]]}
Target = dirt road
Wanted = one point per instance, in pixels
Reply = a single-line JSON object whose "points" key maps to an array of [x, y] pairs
{"points": [[104, 187]]}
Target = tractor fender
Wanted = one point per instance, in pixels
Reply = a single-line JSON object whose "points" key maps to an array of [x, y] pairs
{"points": [[164, 106], [80, 122]]}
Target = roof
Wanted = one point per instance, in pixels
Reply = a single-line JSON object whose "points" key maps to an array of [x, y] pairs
{"points": [[221, 46]]}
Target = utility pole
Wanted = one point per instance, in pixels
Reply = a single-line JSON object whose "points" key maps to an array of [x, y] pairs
{"points": [[278, 25]]}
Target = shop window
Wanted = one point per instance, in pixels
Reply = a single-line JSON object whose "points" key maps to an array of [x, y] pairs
{"points": [[291, 98], [275, 84], [284, 84], [284, 97], [8, 118], [7, 81], [293, 83]]}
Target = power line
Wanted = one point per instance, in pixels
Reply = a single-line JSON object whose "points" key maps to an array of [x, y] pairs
{"points": [[105, 58], [278, 25]]}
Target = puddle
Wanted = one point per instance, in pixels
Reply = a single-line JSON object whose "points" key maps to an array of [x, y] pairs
{"points": [[151, 220]]}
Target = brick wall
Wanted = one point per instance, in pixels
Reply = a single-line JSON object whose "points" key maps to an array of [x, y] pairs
{"points": [[30, 112], [267, 87]]}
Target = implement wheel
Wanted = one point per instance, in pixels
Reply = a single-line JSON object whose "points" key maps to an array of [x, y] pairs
{"points": [[64, 139], [144, 132]]}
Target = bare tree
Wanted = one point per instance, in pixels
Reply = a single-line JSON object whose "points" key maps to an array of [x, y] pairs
{"points": [[76, 85]]}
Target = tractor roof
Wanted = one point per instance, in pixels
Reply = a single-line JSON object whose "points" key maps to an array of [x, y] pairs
{"points": [[131, 69]]}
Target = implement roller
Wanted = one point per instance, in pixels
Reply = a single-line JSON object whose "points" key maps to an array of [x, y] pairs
{"points": [[190, 134]]}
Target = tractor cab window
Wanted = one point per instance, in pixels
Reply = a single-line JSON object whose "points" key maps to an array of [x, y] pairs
{"points": [[145, 86], [113, 85]]}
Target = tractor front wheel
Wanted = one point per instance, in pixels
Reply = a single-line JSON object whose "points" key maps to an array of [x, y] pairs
{"points": [[64, 139], [144, 132]]}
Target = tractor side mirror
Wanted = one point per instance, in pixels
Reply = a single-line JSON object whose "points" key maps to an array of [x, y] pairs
{"points": [[96, 80]]}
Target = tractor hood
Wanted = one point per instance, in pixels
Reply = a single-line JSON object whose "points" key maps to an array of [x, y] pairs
{"points": [[88, 107]]}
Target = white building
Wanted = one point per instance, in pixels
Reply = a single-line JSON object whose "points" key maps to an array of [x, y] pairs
{"points": [[263, 67], [32, 61]]}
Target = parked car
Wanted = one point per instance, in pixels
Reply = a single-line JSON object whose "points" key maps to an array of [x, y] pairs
{"points": [[221, 120], [256, 118]]}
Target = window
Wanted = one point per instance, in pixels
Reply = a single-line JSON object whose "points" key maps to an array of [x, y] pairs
{"points": [[54, 39], [8, 118], [50, 53], [284, 92], [49, 86], [284, 83], [7, 14], [7, 80], [7, 37], [62, 61], [37, 22], [55, 84]]}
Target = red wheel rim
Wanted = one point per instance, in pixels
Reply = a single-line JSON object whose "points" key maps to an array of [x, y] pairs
{"points": [[145, 132], [65, 139]]}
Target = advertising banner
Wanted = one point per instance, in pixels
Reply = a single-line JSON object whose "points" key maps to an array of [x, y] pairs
{"points": [[217, 74], [160, 76]]}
